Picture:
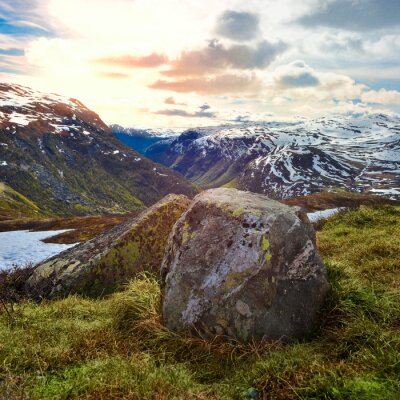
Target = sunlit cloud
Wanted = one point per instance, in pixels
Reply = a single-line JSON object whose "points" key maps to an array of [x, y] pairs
{"points": [[171, 100], [126, 61], [222, 84], [217, 57], [381, 96], [113, 75]]}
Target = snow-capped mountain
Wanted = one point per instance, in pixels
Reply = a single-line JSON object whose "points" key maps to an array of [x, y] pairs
{"points": [[141, 139], [159, 133], [63, 158], [290, 159]]}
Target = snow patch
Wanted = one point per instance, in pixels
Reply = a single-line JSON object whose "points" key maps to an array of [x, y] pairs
{"points": [[23, 247], [318, 215], [393, 191]]}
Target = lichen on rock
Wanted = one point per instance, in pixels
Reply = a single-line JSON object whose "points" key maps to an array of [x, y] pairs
{"points": [[253, 274]]}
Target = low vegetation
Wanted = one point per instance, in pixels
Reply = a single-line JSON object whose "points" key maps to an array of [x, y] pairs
{"points": [[335, 198], [117, 348], [14, 205], [79, 228]]}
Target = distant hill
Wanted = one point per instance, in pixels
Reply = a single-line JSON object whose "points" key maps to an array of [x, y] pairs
{"points": [[142, 139], [61, 157]]}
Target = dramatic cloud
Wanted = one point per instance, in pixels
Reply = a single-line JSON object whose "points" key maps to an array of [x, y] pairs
{"points": [[239, 26], [153, 60], [222, 84], [216, 57], [296, 74], [355, 15]]}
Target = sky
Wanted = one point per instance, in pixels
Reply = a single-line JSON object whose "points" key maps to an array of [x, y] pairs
{"points": [[183, 63]]}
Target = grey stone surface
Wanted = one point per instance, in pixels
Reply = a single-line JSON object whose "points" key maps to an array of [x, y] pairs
{"points": [[241, 265]]}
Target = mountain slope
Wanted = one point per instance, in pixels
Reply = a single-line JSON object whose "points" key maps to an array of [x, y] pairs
{"points": [[290, 159], [60, 155], [14, 205]]}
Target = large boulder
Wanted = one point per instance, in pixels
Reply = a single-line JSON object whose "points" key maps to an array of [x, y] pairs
{"points": [[102, 264], [241, 265]]}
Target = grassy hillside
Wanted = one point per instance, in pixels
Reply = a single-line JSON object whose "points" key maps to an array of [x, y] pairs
{"points": [[116, 347], [14, 205]]}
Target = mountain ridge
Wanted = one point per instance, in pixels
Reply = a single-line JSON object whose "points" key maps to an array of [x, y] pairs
{"points": [[283, 160], [66, 160]]}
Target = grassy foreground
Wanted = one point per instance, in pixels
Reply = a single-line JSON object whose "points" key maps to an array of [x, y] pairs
{"points": [[116, 347]]}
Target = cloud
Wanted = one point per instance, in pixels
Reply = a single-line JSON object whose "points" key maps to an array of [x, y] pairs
{"points": [[336, 43], [238, 26], [171, 100], [153, 60], [296, 75], [298, 83], [19, 19], [205, 107], [216, 57], [355, 15], [381, 96], [183, 113], [250, 117], [222, 84], [113, 75], [385, 48]]}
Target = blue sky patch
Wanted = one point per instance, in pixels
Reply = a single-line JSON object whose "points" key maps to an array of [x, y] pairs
{"points": [[12, 52], [20, 29]]}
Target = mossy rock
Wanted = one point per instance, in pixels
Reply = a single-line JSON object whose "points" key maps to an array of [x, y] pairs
{"points": [[243, 266], [101, 265]]}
